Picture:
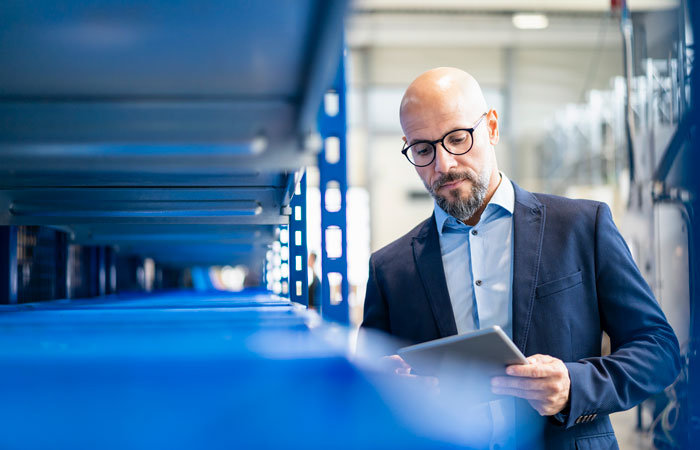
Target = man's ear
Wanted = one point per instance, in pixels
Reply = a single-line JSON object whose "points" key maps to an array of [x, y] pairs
{"points": [[404, 140], [492, 126]]}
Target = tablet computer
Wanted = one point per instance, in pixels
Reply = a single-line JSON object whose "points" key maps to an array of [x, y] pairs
{"points": [[465, 363]]}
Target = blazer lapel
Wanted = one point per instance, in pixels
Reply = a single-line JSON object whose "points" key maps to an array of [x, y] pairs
{"points": [[428, 259], [528, 231]]}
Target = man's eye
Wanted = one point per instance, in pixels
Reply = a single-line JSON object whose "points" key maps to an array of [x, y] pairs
{"points": [[457, 138], [422, 151]]}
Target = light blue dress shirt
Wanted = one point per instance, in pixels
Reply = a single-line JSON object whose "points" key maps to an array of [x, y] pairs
{"points": [[478, 264]]}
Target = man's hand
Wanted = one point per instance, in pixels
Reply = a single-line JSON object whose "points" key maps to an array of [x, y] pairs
{"points": [[398, 366], [545, 383]]}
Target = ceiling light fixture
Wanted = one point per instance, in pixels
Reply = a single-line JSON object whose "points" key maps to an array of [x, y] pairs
{"points": [[530, 21]]}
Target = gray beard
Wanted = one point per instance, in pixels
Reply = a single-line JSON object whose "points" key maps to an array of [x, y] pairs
{"points": [[462, 208]]}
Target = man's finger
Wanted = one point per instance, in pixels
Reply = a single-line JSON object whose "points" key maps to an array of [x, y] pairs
{"points": [[520, 393], [536, 370], [539, 358], [396, 364], [532, 384]]}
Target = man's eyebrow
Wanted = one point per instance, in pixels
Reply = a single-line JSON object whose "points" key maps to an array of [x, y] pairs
{"points": [[417, 141]]}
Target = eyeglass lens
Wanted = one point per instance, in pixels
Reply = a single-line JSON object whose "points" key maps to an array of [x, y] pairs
{"points": [[457, 142]]}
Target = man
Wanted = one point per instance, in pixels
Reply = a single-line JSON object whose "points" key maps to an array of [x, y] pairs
{"points": [[554, 273], [314, 284]]}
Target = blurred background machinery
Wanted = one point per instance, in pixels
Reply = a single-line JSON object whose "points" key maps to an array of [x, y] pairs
{"points": [[632, 145]]}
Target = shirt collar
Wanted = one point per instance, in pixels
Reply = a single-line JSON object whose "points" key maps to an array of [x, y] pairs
{"points": [[502, 200]]}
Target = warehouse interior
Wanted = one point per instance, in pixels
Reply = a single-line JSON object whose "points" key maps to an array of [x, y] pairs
{"points": [[167, 169]]}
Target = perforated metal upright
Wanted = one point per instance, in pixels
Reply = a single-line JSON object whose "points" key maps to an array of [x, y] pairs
{"points": [[298, 267], [332, 164]]}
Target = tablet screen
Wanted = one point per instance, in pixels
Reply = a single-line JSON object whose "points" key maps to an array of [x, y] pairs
{"points": [[465, 363]]}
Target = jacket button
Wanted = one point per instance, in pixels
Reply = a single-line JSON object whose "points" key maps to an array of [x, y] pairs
{"points": [[474, 232], [478, 282]]}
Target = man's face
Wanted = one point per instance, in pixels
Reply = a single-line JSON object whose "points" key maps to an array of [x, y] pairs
{"points": [[459, 183]]}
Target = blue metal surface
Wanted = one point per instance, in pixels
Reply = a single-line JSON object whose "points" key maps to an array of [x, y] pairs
{"points": [[181, 226], [138, 234], [65, 206], [284, 263], [334, 172], [161, 49], [231, 176], [211, 370], [174, 299], [162, 316], [126, 85], [298, 265], [183, 402]]}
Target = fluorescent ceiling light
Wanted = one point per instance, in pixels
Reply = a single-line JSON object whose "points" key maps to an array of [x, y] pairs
{"points": [[529, 21]]}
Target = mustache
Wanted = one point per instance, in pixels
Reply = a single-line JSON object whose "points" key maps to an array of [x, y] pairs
{"points": [[451, 177]]}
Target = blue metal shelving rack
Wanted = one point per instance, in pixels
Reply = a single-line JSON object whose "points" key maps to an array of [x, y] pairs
{"points": [[175, 131], [332, 163], [168, 130], [298, 266]]}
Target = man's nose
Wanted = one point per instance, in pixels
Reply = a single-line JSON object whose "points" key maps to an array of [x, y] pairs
{"points": [[444, 160]]}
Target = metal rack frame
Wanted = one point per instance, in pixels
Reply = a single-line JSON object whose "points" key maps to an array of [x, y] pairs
{"points": [[332, 163], [123, 142]]}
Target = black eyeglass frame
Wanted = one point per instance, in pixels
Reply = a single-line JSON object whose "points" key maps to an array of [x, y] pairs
{"points": [[442, 142]]}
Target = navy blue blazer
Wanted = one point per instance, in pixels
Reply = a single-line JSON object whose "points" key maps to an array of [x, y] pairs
{"points": [[573, 278]]}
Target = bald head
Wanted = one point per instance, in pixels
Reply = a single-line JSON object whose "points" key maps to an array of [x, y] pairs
{"points": [[443, 88], [437, 110]]}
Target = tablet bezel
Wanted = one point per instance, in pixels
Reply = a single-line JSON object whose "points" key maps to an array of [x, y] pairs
{"points": [[450, 345]]}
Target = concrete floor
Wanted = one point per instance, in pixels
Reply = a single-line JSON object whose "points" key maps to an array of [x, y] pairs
{"points": [[625, 423]]}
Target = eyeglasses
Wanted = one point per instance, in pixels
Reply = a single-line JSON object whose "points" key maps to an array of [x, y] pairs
{"points": [[457, 142]]}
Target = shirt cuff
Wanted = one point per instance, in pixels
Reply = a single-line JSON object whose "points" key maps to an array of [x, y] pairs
{"points": [[560, 418]]}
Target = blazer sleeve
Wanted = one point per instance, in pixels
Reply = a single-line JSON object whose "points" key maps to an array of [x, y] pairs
{"points": [[376, 311], [644, 355]]}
